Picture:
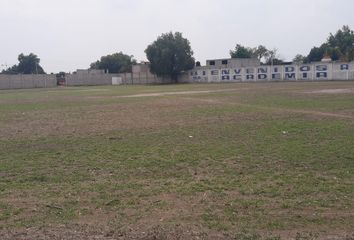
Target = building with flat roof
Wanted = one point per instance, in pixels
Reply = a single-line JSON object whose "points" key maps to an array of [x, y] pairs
{"points": [[232, 63]]}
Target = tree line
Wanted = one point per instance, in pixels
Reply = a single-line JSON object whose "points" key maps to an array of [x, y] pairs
{"points": [[28, 64], [338, 46], [264, 55], [171, 53]]}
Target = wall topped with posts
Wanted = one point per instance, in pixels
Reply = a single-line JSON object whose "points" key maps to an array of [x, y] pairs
{"points": [[27, 81], [304, 72], [84, 77]]}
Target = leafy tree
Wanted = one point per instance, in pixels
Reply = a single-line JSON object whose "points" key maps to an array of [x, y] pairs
{"points": [[339, 46], [28, 64], [242, 52], [342, 44], [273, 58], [169, 55], [299, 59], [115, 63], [316, 54], [261, 52], [10, 70]]}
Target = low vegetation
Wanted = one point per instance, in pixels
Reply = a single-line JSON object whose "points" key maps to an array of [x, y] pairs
{"points": [[233, 161]]}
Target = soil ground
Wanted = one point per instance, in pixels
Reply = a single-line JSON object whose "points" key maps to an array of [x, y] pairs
{"points": [[208, 161]]}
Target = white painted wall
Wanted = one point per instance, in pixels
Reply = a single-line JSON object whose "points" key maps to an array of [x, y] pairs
{"points": [[306, 72]]}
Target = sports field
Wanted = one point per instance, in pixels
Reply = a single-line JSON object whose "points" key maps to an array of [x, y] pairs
{"points": [[234, 161]]}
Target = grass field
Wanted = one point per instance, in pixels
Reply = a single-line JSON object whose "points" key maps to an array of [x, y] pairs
{"points": [[233, 161]]}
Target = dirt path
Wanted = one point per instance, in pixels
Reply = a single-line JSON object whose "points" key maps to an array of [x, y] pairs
{"points": [[309, 112], [160, 94], [300, 111], [333, 91]]}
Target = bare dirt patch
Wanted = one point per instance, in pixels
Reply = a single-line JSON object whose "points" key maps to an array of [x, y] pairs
{"points": [[82, 90], [97, 119], [333, 91], [126, 167], [85, 232], [159, 232], [161, 94]]}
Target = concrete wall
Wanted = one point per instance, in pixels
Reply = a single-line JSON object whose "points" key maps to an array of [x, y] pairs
{"points": [[306, 72], [143, 78], [27, 81], [88, 79], [93, 79]]}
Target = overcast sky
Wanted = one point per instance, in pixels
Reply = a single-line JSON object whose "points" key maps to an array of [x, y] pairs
{"points": [[70, 34]]}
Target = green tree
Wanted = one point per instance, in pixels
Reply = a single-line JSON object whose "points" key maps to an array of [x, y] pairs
{"points": [[339, 46], [273, 58], [10, 70], [261, 52], [316, 54], [170, 55], [299, 59], [242, 52], [28, 64], [115, 63]]}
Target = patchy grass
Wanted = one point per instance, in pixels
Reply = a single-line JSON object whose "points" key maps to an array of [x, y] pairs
{"points": [[244, 160]]}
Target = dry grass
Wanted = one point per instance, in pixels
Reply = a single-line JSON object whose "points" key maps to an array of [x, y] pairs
{"points": [[233, 161]]}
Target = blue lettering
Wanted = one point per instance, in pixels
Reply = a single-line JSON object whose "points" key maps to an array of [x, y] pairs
{"points": [[276, 76], [262, 76], [344, 67], [225, 77], [305, 68], [237, 71], [290, 76], [289, 69], [250, 76], [262, 70], [321, 68], [321, 75], [225, 72]]}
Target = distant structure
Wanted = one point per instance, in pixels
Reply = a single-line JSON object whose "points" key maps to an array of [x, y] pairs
{"points": [[142, 67], [326, 58], [215, 71], [91, 71], [89, 77], [232, 63], [251, 70]]}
